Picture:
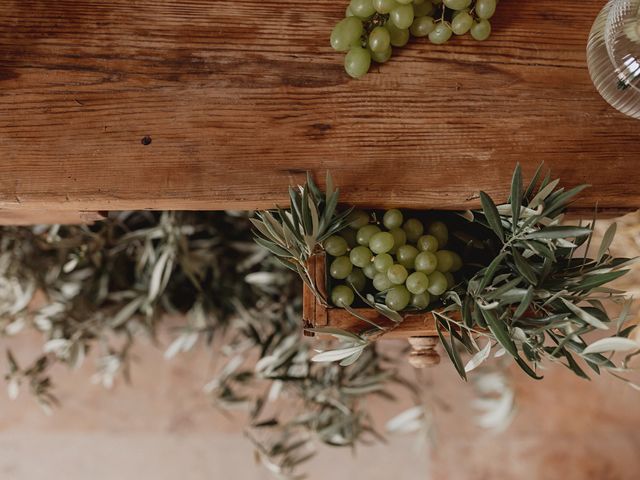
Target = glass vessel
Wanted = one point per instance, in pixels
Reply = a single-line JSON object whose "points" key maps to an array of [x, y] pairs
{"points": [[613, 55]]}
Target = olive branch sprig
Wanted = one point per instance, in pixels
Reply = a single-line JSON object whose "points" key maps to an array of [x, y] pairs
{"points": [[296, 234], [537, 299]]}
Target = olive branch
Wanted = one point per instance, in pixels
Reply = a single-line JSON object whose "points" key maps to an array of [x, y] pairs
{"points": [[536, 298], [296, 234]]}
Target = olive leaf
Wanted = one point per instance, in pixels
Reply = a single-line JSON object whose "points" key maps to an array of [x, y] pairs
{"points": [[612, 344], [491, 214], [607, 239], [516, 194]]}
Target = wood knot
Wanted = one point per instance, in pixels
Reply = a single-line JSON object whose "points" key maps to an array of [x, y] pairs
{"points": [[423, 353]]}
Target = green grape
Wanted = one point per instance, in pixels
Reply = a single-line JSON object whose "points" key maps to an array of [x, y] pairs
{"points": [[345, 33], [392, 219], [381, 282], [348, 12], [418, 2], [357, 279], [340, 268], [437, 283], [445, 260], [397, 298], [426, 262], [342, 296], [399, 36], [457, 4], [457, 262], [441, 34], [357, 62], [421, 301], [422, 9], [397, 274], [422, 26], [382, 262], [362, 8], [379, 40], [384, 6], [406, 255], [360, 256], [417, 283], [485, 8], [382, 57], [414, 229], [336, 246], [461, 23], [358, 219], [370, 271], [349, 235], [402, 16], [481, 30], [404, 2], [427, 243], [440, 231], [381, 242], [399, 238], [450, 280], [363, 237]]}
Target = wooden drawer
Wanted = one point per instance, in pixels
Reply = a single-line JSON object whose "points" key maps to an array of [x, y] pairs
{"points": [[315, 314]]}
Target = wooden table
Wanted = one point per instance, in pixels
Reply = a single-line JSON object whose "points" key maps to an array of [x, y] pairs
{"points": [[219, 104]]}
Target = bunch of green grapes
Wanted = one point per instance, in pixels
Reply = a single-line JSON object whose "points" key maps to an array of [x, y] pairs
{"points": [[372, 27], [397, 260]]}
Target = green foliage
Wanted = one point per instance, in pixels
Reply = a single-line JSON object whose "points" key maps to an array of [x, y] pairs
{"points": [[535, 298], [96, 290], [295, 234], [538, 299]]}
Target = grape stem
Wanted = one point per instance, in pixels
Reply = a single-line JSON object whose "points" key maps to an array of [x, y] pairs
{"points": [[377, 20]]}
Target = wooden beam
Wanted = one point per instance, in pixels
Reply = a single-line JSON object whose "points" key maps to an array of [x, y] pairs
{"points": [[43, 217], [196, 104]]}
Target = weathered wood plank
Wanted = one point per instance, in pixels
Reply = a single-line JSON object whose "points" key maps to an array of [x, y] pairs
{"points": [[42, 217], [240, 98]]}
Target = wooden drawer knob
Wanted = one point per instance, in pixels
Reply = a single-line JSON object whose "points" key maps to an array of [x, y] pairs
{"points": [[423, 353]]}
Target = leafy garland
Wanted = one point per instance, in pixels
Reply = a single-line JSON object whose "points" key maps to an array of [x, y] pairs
{"points": [[92, 292], [536, 299]]}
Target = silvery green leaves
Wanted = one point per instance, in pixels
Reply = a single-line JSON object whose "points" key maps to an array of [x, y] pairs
{"points": [[332, 395], [111, 283], [352, 346], [542, 293], [495, 398], [350, 349], [35, 376], [293, 235]]}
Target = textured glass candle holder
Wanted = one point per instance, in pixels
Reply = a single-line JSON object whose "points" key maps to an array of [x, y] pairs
{"points": [[613, 55]]}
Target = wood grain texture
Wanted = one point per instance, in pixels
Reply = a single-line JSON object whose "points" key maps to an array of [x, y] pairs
{"points": [[42, 217], [422, 325], [240, 98]]}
